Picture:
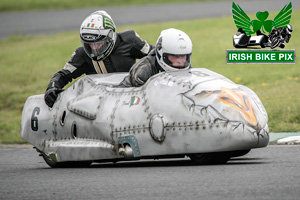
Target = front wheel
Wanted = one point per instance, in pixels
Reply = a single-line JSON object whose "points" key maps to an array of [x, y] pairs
{"points": [[70, 164], [210, 158], [239, 153]]}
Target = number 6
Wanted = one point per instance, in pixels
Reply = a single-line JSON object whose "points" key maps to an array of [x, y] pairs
{"points": [[34, 119]]}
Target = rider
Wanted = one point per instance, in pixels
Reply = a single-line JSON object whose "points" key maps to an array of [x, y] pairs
{"points": [[173, 52], [103, 50], [278, 36]]}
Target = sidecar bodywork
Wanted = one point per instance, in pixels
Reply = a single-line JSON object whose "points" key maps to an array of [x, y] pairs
{"points": [[197, 112]]}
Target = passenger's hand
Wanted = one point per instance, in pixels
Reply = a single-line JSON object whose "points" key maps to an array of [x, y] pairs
{"points": [[51, 96]]}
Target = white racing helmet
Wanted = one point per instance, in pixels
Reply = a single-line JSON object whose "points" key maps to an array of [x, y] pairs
{"points": [[173, 42], [289, 28], [98, 35]]}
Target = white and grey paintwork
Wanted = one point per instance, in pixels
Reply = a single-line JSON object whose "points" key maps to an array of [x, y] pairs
{"points": [[174, 113]]}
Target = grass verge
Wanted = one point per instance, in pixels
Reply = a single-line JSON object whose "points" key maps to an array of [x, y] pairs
{"points": [[26, 5]]}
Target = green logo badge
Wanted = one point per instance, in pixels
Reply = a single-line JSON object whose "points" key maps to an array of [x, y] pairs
{"points": [[242, 21], [268, 33]]}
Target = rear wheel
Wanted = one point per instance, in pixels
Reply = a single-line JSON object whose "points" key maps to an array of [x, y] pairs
{"points": [[70, 164], [210, 158]]}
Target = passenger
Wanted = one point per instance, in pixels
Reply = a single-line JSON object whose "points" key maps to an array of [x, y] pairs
{"points": [[173, 52], [103, 50]]}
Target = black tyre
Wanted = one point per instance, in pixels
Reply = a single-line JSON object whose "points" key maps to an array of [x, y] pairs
{"points": [[240, 153], [274, 43], [210, 158]]}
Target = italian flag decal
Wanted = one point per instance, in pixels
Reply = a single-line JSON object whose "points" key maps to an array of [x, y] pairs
{"points": [[135, 100], [91, 25]]}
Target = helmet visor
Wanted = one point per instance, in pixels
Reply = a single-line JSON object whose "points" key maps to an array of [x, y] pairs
{"points": [[177, 61], [97, 49], [97, 45]]}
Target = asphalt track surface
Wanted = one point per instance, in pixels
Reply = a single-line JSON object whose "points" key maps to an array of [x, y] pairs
{"points": [[269, 173], [49, 22]]}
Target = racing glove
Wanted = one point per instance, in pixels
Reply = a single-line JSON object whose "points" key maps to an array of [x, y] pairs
{"points": [[51, 95]]}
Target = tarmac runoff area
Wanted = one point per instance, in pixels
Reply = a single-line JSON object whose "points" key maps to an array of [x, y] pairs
{"points": [[292, 138], [287, 138]]}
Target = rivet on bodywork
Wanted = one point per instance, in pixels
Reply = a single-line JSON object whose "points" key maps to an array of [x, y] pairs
{"points": [[74, 130], [62, 118]]}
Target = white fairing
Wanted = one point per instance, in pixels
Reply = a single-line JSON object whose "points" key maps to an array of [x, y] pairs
{"points": [[202, 112], [237, 38], [256, 39]]}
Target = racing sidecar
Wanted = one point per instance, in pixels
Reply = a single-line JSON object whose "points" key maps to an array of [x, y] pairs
{"points": [[241, 40], [196, 113]]}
